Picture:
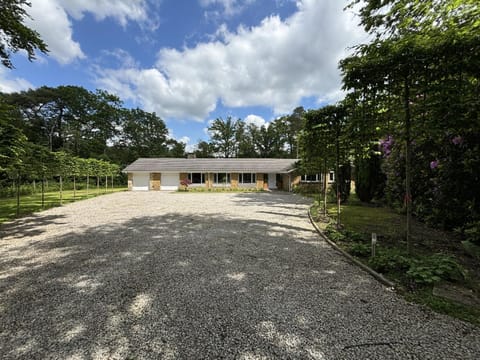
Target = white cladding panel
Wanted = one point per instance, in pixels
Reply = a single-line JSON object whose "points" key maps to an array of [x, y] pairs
{"points": [[170, 181], [141, 181]]}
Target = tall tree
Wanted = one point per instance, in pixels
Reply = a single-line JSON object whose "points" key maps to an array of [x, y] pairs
{"points": [[12, 140], [420, 68], [14, 35], [224, 136]]}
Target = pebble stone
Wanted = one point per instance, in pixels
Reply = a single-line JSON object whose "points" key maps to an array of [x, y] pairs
{"points": [[166, 275]]}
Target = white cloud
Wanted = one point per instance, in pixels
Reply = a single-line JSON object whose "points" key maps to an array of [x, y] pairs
{"points": [[52, 23], [256, 120], [274, 64], [10, 84], [121, 10], [230, 7], [184, 139], [51, 18]]}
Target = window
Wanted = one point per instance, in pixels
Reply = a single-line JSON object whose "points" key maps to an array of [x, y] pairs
{"points": [[247, 178], [197, 178], [221, 178], [331, 176], [311, 178], [318, 177]]}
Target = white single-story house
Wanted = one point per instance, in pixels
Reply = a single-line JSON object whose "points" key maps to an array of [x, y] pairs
{"points": [[168, 173]]}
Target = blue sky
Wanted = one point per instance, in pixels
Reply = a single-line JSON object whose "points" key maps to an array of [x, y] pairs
{"points": [[191, 61]]}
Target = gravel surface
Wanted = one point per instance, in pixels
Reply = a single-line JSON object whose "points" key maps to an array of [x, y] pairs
{"points": [[190, 276]]}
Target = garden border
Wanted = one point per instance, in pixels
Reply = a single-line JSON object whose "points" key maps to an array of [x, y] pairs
{"points": [[390, 285]]}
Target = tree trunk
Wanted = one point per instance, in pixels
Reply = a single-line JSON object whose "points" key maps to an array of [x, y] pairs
{"points": [[74, 188], [98, 184], [106, 183], [61, 190], [88, 183], [18, 196], [43, 192], [325, 197], [408, 161], [337, 182]]}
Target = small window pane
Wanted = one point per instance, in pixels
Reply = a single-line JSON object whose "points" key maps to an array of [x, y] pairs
{"points": [[331, 176], [221, 178], [196, 178]]}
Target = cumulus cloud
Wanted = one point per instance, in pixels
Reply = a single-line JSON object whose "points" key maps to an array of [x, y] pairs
{"points": [[256, 120], [274, 64], [9, 84], [51, 18], [229, 7]]}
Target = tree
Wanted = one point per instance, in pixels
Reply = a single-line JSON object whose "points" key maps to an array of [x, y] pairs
{"points": [[204, 150], [420, 70], [12, 140], [323, 146], [144, 135], [289, 127], [224, 136], [14, 35], [393, 18], [39, 164]]}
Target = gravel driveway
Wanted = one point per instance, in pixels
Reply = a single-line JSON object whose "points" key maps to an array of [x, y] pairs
{"points": [[190, 276]]}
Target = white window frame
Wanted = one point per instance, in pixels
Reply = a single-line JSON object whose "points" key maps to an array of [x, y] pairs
{"points": [[319, 178], [202, 178], [253, 178], [304, 178], [227, 182], [331, 177]]}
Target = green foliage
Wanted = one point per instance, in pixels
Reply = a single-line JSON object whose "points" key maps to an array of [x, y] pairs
{"points": [[334, 234], [89, 124], [417, 271], [472, 232], [359, 249], [390, 260], [353, 235], [433, 269], [344, 182], [14, 35], [417, 82], [369, 180], [472, 249], [236, 138], [12, 142], [224, 135]]}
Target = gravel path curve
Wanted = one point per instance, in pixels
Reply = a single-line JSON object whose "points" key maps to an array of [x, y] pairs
{"points": [[201, 276]]}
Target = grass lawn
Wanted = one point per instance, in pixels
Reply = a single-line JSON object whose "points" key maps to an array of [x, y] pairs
{"points": [[33, 203], [360, 220]]}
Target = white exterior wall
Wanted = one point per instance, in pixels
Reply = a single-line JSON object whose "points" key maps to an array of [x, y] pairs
{"points": [[170, 181], [141, 181]]}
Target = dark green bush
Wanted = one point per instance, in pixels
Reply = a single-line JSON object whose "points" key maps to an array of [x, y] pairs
{"points": [[344, 181], [369, 179], [433, 269], [389, 260], [359, 249]]}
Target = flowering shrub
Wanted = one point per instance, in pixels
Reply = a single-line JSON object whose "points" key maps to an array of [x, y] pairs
{"points": [[184, 183], [386, 145]]}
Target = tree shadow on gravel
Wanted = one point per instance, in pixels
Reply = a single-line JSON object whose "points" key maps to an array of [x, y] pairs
{"points": [[189, 286], [30, 225], [275, 199]]}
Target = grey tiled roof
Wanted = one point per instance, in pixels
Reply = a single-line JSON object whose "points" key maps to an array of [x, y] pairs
{"points": [[212, 165]]}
